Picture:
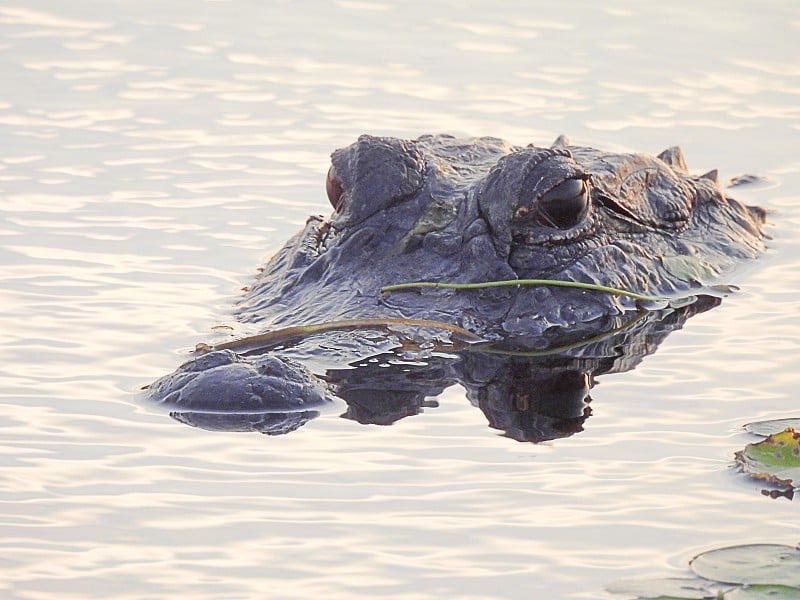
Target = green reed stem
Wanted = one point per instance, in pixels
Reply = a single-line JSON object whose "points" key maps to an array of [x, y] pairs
{"points": [[517, 282]]}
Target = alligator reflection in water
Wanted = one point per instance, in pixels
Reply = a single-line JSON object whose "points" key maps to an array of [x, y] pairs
{"points": [[527, 394]]}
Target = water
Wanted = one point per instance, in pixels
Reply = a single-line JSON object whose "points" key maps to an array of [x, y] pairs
{"points": [[152, 153]]}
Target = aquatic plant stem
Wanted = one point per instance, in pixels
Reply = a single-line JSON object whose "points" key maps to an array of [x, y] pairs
{"points": [[286, 334], [518, 282]]}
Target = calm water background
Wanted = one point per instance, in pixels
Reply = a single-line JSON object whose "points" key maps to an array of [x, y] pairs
{"points": [[151, 153]]}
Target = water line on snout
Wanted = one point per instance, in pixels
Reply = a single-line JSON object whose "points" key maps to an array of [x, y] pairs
{"points": [[461, 336], [498, 349], [463, 340]]}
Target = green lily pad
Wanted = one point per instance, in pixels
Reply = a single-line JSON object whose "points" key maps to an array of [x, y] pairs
{"points": [[766, 428], [752, 565], [668, 588], [775, 459], [689, 268], [763, 592]]}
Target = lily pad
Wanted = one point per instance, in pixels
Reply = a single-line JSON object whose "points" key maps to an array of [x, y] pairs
{"points": [[763, 592], [766, 428], [751, 565], [668, 588], [775, 459]]}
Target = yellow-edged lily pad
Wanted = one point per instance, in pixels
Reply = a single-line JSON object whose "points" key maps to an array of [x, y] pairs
{"points": [[775, 460]]}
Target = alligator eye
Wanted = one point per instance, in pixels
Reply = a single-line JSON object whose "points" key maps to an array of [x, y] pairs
{"points": [[333, 185], [565, 205]]}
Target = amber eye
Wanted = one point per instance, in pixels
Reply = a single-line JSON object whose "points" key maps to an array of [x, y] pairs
{"points": [[565, 205], [333, 186]]}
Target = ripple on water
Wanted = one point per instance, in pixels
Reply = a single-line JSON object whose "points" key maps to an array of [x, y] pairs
{"points": [[151, 156]]}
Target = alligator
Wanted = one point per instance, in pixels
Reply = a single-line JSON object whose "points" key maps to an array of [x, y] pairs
{"points": [[628, 242]]}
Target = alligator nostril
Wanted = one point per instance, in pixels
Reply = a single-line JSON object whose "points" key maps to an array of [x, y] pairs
{"points": [[333, 185]]}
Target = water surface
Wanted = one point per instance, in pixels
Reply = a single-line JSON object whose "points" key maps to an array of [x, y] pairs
{"points": [[154, 152]]}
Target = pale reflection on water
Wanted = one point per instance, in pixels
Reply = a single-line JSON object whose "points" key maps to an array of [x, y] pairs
{"points": [[153, 152]]}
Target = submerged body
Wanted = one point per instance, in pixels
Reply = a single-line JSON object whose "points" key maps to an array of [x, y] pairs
{"points": [[442, 209]]}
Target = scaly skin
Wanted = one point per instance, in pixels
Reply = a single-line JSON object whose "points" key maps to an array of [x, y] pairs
{"points": [[442, 209]]}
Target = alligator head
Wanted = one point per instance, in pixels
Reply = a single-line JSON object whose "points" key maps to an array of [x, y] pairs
{"points": [[442, 209]]}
